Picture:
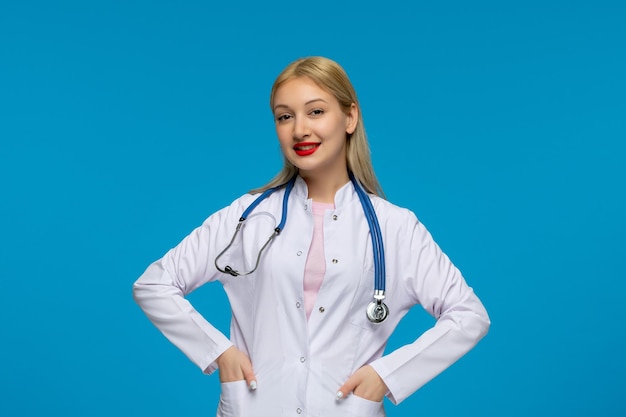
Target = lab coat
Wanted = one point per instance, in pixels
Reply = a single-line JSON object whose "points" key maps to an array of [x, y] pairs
{"points": [[300, 365]]}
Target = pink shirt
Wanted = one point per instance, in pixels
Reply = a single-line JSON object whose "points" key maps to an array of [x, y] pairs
{"points": [[315, 266]]}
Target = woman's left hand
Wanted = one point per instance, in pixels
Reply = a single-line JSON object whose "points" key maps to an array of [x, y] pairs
{"points": [[364, 383]]}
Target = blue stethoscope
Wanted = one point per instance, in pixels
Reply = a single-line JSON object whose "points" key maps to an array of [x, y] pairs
{"points": [[376, 311]]}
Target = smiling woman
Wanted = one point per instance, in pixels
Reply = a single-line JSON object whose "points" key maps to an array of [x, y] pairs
{"points": [[302, 341], [312, 129]]}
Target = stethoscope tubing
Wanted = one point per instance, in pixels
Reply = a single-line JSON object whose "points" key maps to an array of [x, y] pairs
{"points": [[375, 234], [376, 311], [288, 187]]}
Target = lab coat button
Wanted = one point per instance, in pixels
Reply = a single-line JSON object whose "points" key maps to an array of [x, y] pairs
{"points": [[298, 304], [335, 261], [299, 410], [322, 309], [334, 217], [302, 359], [299, 252]]}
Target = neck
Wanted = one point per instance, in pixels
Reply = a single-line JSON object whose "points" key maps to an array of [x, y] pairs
{"points": [[323, 188]]}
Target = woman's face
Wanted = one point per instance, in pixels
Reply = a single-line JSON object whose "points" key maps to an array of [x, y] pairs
{"points": [[312, 128]]}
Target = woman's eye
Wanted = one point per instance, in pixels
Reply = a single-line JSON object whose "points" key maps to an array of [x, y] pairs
{"points": [[283, 117], [317, 112]]}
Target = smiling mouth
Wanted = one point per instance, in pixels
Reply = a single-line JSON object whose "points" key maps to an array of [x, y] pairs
{"points": [[305, 148]]}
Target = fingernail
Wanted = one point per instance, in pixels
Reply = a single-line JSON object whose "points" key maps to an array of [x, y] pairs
{"points": [[339, 396], [253, 385]]}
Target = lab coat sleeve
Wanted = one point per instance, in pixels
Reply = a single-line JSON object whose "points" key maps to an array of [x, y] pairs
{"points": [[435, 283], [161, 291]]}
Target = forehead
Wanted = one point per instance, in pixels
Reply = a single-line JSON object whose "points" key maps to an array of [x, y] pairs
{"points": [[301, 89]]}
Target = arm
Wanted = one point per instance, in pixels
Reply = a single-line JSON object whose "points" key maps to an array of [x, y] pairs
{"points": [[161, 290], [433, 281]]}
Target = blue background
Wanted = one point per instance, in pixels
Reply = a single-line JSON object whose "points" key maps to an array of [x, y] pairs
{"points": [[124, 124]]}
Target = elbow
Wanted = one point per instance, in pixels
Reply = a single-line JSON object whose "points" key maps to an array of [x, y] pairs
{"points": [[142, 291], [480, 319], [482, 323], [137, 292], [486, 324], [148, 284], [471, 318], [474, 322]]}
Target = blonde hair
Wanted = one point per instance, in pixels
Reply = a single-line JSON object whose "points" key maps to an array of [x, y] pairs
{"points": [[330, 76]]}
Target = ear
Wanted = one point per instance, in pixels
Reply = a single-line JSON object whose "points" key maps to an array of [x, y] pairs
{"points": [[352, 119]]}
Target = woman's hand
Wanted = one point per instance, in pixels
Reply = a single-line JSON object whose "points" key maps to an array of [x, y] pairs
{"points": [[364, 383], [234, 365]]}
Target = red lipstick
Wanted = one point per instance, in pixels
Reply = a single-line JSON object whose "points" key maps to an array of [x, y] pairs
{"points": [[305, 148]]}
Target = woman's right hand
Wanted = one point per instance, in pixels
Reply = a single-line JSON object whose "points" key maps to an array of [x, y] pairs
{"points": [[234, 365]]}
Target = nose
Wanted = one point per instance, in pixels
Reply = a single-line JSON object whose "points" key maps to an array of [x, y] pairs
{"points": [[301, 129]]}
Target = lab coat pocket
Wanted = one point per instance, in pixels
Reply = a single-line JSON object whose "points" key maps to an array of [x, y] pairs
{"points": [[361, 407], [234, 399]]}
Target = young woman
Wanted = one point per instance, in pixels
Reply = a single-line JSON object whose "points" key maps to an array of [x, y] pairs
{"points": [[310, 316]]}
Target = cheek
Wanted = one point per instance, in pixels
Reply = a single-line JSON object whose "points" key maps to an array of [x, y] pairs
{"points": [[284, 138], [335, 127]]}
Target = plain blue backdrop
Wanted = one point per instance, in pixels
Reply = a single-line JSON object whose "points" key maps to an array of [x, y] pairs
{"points": [[124, 124]]}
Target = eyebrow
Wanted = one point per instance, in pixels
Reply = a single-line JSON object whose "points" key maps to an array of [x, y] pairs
{"points": [[306, 104]]}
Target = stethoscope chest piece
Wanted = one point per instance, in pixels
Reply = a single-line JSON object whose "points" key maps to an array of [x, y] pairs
{"points": [[377, 311]]}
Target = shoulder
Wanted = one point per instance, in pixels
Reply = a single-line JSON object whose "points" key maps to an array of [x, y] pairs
{"points": [[402, 226], [399, 222], [393, 213], [232, 211]]}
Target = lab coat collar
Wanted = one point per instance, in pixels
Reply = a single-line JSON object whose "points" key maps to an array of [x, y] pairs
{"points": [[344, 196]]}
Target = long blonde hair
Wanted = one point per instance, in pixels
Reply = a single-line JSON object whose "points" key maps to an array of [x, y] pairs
{"points": [[330, 76]]}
